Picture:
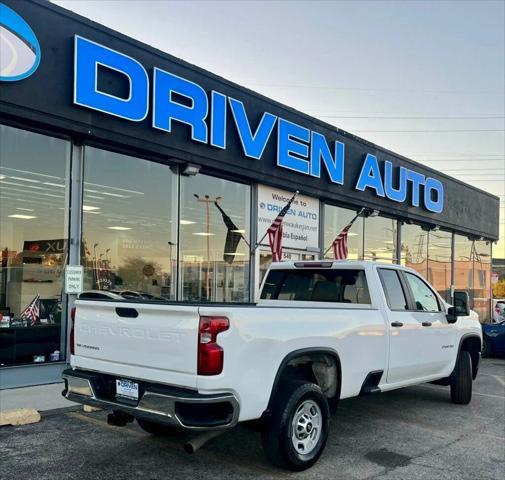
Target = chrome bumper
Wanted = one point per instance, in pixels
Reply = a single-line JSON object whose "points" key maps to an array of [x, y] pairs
{"points": [[157, 403]]}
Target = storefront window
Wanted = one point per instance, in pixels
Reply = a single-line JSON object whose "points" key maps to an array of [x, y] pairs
{"points": [[33, 244], [440, 262], [335, 220], [380, 239], [414, 248], [129, 225], [214, 239], [482, 279], [463, 265]]}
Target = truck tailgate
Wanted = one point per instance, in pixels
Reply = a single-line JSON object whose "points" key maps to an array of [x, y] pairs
{"points": [[138, 340]]}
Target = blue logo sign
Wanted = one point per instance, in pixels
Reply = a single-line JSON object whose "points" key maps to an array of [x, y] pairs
{"points": [[19, 47], [205, 115]]}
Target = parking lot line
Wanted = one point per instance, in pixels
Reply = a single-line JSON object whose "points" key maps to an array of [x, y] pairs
{"points": [[489, 395]]}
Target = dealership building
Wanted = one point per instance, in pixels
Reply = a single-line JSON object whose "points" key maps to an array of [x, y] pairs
{"points": [[161, 178]]}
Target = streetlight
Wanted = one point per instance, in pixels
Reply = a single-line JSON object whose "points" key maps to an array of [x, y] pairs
{"points": [[207, 200]]}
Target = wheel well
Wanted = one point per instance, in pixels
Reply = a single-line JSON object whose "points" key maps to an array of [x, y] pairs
{"points": [[319, 367], [472, 345]]}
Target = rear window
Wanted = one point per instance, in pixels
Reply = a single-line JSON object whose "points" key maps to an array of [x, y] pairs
{"points": [[316, 285]]}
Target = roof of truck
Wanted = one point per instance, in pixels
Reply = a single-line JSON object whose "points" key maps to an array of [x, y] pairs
{"points": [[329, 263]]}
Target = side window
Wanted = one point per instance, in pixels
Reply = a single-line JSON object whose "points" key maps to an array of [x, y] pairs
{"points": [[393, 288], [424, 298]]}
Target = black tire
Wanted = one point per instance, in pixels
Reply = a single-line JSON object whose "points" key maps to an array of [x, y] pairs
{"points": [[157, 429], [461, 379], [486, 347], [279, 436]]}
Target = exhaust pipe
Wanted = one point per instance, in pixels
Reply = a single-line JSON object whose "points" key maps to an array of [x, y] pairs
{"points": [[199, 441]]}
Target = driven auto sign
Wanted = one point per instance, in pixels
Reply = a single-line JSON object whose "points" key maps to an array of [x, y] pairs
{"points": [[208, 115]]}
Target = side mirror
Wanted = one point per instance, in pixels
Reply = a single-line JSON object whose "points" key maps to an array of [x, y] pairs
{"points": [[461, 307]]}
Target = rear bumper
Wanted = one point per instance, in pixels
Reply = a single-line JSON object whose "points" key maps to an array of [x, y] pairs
{"points": [[177, 407]]}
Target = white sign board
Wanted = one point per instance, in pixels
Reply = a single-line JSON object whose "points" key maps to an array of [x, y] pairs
{"points": [[74, 276], [301, 223]]}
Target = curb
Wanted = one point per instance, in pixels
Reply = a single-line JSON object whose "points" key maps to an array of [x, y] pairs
{"points": [[19, 416]]}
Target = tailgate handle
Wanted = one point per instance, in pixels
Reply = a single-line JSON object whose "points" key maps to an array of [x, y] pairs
{"points": [[127, 312]]}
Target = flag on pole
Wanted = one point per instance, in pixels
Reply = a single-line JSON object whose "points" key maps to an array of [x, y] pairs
{"points": [[339, 245], [32, 312], [275, 232], [233, 236]]}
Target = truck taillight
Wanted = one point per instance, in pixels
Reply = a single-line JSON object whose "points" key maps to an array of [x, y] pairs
{"points": [[72, 337], [210, 354]]}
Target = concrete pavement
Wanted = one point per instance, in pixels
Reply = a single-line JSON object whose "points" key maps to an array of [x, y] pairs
{"points": [[413, 433]]}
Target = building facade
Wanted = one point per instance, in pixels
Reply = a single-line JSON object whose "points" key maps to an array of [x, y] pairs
{"points": [[160, 178]]}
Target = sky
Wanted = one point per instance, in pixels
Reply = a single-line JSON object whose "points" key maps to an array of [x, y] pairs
{"points": [[424, 79]]}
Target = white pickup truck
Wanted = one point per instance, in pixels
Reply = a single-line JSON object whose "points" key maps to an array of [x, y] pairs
{"points": [[321, 331]]}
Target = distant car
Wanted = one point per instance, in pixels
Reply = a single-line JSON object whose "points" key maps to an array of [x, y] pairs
{"points": [[498, 310], [493, 339]]}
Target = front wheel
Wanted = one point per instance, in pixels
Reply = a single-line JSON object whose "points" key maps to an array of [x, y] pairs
{"points": [[296, 434], [461, 379]]}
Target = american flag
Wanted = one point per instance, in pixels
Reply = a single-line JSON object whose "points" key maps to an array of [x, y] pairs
{"points": [[339, 245], [233, 236], [32, 311], [275, 232]]}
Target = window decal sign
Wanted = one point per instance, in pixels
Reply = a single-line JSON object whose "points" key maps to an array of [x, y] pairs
{"points": [[301, 223], [208, 114], [19, 47]]}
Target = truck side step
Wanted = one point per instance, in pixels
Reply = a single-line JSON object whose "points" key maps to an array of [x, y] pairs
{"points": [[371, 383]]}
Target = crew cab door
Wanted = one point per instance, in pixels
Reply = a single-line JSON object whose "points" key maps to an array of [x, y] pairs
{"points": [[421, 341]]}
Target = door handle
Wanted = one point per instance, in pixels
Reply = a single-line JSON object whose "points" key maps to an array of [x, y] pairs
{"points": [[127, 312], [396, 324], [426, 324]]}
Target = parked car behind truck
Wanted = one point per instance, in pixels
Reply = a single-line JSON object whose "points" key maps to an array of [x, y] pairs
{"points": [[321, 331]]}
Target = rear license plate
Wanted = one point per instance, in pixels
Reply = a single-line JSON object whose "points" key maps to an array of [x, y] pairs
{"points": [[127, 388]]}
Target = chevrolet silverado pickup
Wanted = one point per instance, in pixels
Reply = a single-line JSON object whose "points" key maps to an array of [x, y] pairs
{"points": [[320, 331]]}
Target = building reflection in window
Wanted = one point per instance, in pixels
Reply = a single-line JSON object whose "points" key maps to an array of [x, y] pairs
{"points": [[380, 239], [429, 253], [129, 225], [214, 254], [335, 220], [33, 245], [472, 271], [440, 262], [481, 257], [414, 248]]}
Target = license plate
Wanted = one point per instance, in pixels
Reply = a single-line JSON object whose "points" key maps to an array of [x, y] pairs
{"points": [[127, 389]]}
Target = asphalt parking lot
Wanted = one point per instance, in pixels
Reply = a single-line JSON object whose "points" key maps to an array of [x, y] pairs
{"points": [[407, 434]]}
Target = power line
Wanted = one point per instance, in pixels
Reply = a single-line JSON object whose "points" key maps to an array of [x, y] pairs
{"points": [[463, 170], [384, 117], [431, 131], [392, 90], [465, 154], [462, 159]]}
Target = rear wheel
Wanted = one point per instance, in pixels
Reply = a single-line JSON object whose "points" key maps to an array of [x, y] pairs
{"points": [[296, 434], [461, 379], [157, 429]]}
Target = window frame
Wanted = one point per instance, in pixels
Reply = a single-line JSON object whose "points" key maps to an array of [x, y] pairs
{"points": [[406, 294]]}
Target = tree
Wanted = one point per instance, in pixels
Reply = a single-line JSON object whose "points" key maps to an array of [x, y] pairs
{"points": [[499, 289]]}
